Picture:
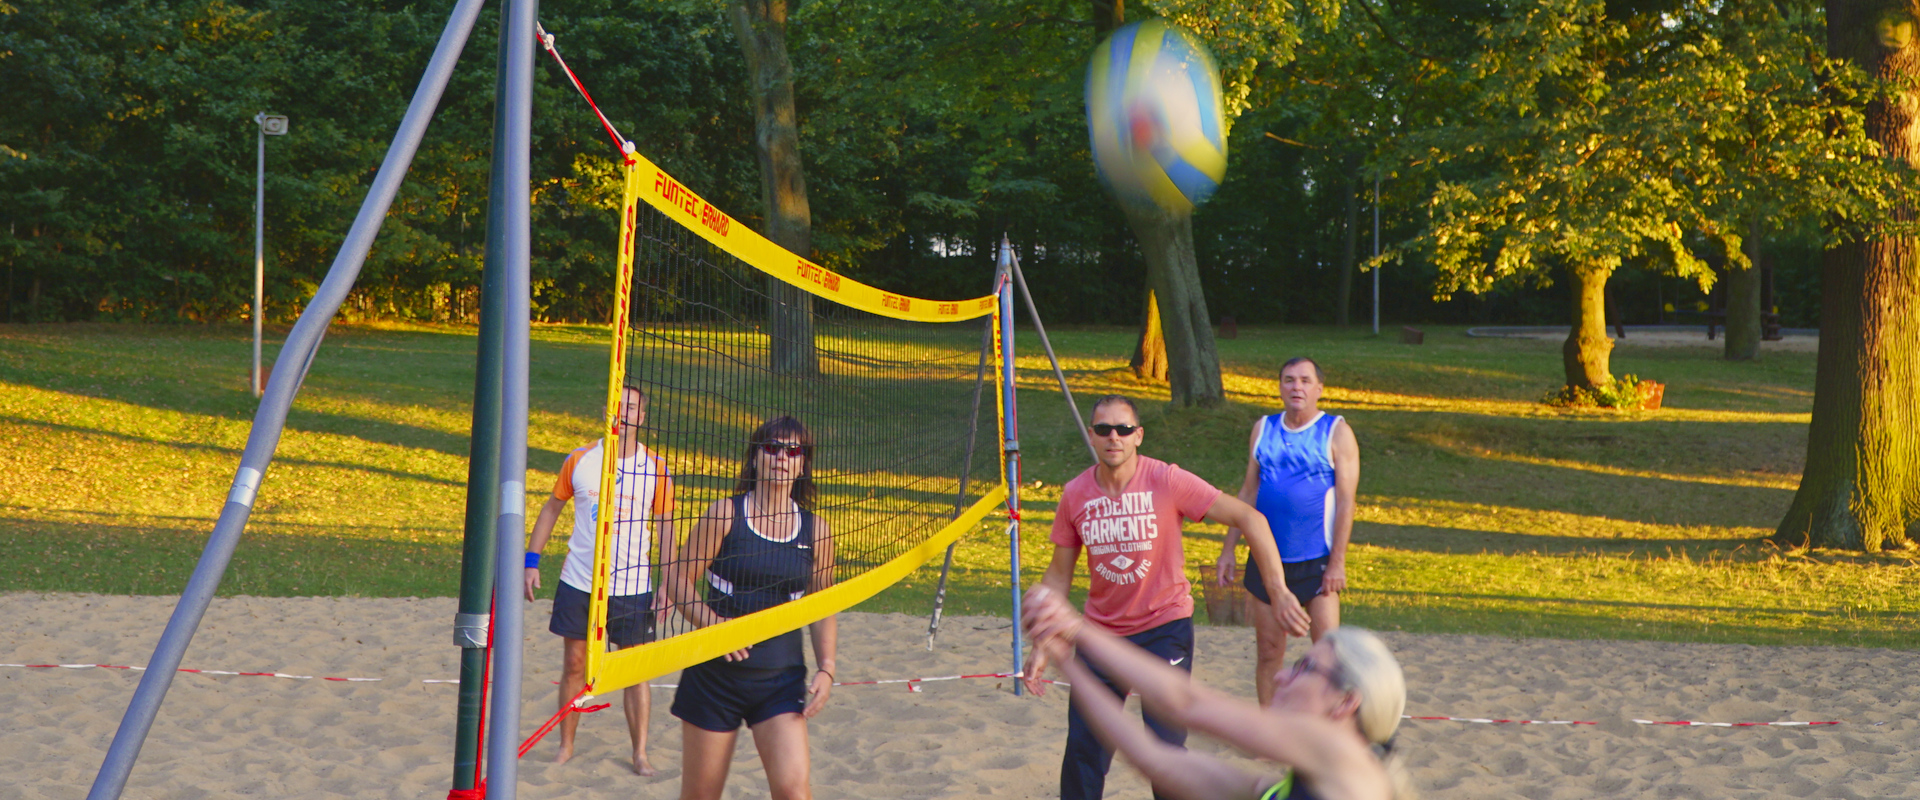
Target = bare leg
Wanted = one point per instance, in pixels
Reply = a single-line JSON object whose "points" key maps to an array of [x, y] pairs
{"points": [[704, 758], [637, 701], [1325, 610], [573, 676], [1269, 649], [782, 742]]}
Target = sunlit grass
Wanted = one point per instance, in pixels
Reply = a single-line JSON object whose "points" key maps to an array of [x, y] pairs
{"points": [[1481, 510]]}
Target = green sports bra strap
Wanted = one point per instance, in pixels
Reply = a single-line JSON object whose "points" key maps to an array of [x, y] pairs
{"points": [[1280, 790]]}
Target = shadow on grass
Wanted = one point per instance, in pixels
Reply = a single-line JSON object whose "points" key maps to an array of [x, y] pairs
{"points": [[1464, 541], [157, 560], [231, 451]]}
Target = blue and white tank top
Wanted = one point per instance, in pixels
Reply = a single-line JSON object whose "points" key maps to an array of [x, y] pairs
{"points": [[1296, 484], [754, 573]]}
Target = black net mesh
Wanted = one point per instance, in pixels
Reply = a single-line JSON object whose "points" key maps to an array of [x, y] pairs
{"points": [[901, 417]]}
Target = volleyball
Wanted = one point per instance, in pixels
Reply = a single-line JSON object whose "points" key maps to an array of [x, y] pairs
{"points": [[1155, 116]]}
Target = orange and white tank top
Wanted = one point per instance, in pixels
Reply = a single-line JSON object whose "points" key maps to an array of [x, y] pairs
{"points": [[644, 491]]}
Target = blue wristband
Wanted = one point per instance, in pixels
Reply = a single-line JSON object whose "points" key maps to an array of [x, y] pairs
{"points": [[533, 561]]}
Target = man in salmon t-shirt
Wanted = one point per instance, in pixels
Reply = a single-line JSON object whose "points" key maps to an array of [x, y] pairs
{"points": [[1125, 511]]}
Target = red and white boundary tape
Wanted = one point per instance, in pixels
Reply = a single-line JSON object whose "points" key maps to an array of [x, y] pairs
{"points": [[1679, 722], [913, 685], [197, 672]]}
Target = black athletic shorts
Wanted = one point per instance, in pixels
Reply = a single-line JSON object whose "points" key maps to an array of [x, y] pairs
{"points": [[1303, 579], [629, 617], [719, 697]]}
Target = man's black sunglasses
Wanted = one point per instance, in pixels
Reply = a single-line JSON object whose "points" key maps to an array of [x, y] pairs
{"points": [[1103, 429]]}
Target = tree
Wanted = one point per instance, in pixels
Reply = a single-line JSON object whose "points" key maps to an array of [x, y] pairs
{"points": [[1861, 486], [761, 27], [1569, 156]]}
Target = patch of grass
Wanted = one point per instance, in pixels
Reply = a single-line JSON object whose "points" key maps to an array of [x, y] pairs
{"points": [[1482, 511]]}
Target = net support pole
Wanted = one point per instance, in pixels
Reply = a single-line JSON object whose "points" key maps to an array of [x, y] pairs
{"points": [[270, 417], [516, 240], [471, 618], [1012, 444], [1041, 331]]}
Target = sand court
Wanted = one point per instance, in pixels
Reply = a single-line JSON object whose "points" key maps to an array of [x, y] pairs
{"points": [[226, 736]]}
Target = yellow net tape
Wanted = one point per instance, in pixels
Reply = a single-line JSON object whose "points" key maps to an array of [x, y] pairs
{"points": [[680, 204], [609, 671]]}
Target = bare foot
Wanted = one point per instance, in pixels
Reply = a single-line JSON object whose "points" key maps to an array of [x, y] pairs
{"points": [[642, 768], [566, 752]]}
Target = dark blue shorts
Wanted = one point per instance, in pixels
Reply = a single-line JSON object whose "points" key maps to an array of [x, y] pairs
{"points": [[629, 617], [719, 697], [1303, 579]]}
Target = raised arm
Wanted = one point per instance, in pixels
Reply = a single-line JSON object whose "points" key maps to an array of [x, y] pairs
{"points": [[1336, 761], [1058, 579], [1173, 771]]}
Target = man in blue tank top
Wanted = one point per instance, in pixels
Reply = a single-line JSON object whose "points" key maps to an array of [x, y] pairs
{"points": [[1303, 471]]}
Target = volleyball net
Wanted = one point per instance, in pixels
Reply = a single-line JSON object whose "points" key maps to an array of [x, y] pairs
{"points": [[722, 330]]}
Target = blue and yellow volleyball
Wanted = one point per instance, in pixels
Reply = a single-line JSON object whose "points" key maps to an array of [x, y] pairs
{"points": [[1155, 116]]}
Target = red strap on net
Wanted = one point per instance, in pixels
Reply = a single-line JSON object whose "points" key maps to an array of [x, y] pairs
{"points": [[572, 707], [546, 41]]}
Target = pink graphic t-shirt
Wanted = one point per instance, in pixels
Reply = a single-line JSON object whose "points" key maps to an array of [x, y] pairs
{"points": [[1139, 575]]}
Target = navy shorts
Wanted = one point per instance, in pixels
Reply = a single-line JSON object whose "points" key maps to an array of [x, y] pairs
{"points": [[1303, 579], [629, 617], [719, 697]]}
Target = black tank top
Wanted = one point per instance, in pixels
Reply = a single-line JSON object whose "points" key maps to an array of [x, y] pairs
{"points": [[753, 573]]}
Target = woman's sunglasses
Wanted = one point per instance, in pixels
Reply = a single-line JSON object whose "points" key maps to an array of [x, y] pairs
{"points": [[777, 449], [1103, 429]]}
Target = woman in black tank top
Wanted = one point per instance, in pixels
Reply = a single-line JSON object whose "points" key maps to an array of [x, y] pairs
{"points": [[755, 550]]}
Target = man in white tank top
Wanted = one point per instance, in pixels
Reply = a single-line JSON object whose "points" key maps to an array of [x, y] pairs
{"points": [[644, 494]]}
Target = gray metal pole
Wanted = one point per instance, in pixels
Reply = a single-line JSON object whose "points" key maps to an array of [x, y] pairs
{"points": [[503, 740], [259, 244], [1012, 444], [271, 416], [1376, 254], [1058, 375]]}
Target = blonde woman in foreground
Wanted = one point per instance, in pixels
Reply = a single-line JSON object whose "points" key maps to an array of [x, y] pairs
{"points": [[1332, 719]]}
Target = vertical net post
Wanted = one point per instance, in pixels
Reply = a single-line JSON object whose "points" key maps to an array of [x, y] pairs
{"points": [[1011, 424], [503, 745]]}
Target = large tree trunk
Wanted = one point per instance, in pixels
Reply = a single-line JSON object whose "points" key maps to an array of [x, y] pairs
{"points": [[761, 27], [1743, 302], [1150, 350], [1193, 362], [1861, 486], [1343, 304], [1588, 350]]}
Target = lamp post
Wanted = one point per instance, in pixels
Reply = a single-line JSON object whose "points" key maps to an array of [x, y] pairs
{"points": [[1376, 255], [270, 125]]}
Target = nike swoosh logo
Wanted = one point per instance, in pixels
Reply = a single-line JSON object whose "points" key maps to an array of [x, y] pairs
{"points": [[1176, 661], [804, 546]]}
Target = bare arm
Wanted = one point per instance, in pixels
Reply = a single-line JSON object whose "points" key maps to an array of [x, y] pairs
{"points": [[666, 553], [1335, 760], [1249, 492], [703, 543], [825, 633], [1059, 580], [1174, 771], [536, 543], [1266, 553], [1346, 487]]}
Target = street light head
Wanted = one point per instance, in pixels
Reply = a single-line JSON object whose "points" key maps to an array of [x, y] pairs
{"points": [[272, 124]]}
